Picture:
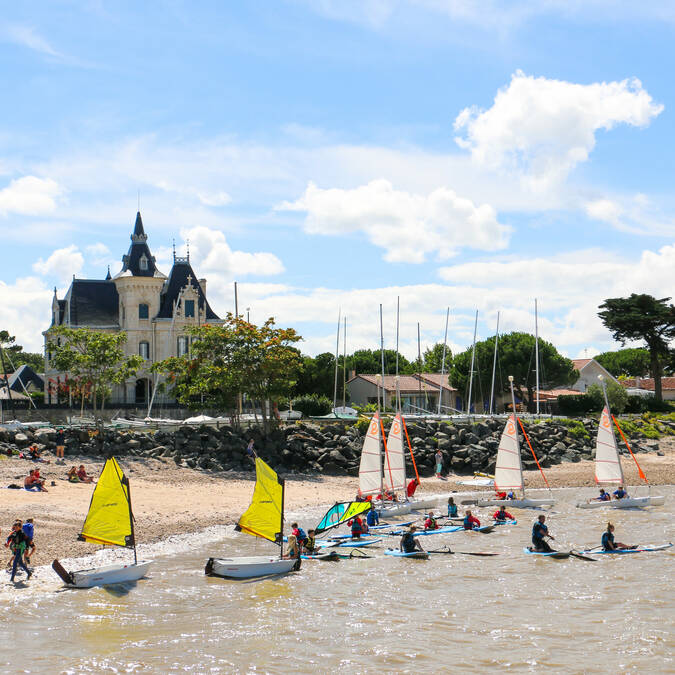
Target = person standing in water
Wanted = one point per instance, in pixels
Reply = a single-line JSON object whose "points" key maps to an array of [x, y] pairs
{"points": [[608, 543], [372, 518], [539, 536], [452, 508]]}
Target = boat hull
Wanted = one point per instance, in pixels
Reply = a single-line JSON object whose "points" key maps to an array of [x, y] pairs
{"points": [[558, 555], [111, 574], [248, 568], [517, 503], [630, 503], [623, 551]]}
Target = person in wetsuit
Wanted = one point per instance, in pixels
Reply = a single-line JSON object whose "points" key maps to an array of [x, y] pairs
{"points": [[539, 536], [603, 496], [608, 543], [409, 543]]}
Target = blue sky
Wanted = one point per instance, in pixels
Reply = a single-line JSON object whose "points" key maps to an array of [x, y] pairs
{"points": [[335, 154]]}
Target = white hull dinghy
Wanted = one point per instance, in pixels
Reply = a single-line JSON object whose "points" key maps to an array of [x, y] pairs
{"points": [[516, 503], [264, 518], [110, 522], [627, 503]]}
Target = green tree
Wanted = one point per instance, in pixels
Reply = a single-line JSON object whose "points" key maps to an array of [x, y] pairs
{"points": [[95, 359], [643, 317], [15, 356], [616, 395], [631, 362], [368, 362], [515, 356], [317, 376], [433, 359]]}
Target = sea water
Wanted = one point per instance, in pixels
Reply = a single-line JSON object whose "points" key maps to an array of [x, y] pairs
{"points": [[452, 613]]}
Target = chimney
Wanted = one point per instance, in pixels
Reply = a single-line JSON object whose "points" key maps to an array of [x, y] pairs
{"points": [[352, 373], [202, 283]]}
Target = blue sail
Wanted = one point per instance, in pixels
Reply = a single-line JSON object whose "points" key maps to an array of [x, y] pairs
{"points": [[341, 513]]}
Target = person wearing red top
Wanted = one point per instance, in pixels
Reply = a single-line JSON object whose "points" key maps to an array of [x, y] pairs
{"points": [[470, 521], [500, 495], [430, 523], [82, 475], [412, 486], [502, 514]]}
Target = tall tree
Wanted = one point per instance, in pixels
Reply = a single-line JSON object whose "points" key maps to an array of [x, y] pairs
{"points": [[368, 361], [433, 359], [630, 362], [15, 356], [317, 375], [95, 359], [642, 318]]}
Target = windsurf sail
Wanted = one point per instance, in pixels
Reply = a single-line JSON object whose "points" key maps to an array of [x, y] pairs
{"points": [[394, 469], [608, 469], [370, 469], [110, 520], [341, 513], [264, 517], [509, 470]]}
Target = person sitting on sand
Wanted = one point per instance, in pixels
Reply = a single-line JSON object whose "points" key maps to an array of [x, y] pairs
{"points": [[412, 486], [470, 521], [35, 454], [620, 493], [602, 497], [410, 543], [452, 508], [82, 475], [34, 482], [502, 514], [372, 518], [430, 523], [72, 475], [608, 543], [539, 536]]}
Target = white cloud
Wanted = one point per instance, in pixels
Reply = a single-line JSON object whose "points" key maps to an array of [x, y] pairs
{"points": [[408, 226], [605, 210], [544, 128], [62, 264], [25, 307], [633, 214], [29, 195], [26, 36], [211, 253]]}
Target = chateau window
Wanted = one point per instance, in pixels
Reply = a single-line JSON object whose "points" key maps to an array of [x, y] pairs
{"points": [[144, 349], [143, 311], [189, 308], [182, 346], [143, 263]]}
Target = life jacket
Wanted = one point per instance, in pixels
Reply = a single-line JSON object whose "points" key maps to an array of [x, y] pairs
{"points": [[310, 543], [452, 509], [430, 524], [300, 535], [408, 542]]}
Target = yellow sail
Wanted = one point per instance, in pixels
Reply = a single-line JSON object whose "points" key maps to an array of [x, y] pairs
{"points": [[109, 520], [264, 518]]}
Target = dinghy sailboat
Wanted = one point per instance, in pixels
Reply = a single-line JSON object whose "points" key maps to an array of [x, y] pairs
{"points": [[110, 522], [608, 470], [264, 518], [509, 468]]}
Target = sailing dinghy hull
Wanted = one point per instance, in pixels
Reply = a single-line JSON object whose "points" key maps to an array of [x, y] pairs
{"points": [[517, 503], [629, 503], [104, 576], [248, 568]]}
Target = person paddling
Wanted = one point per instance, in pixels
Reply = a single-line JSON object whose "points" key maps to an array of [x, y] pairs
{"points": [[452, 508], [539, 536], [608, 543], [470, 521], [502, 515], [409, 543], [430, 523]]}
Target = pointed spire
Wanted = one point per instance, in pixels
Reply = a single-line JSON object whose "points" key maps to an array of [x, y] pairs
{"points": [[188, 249], [139, 232], [174, 250], [107, 276]]}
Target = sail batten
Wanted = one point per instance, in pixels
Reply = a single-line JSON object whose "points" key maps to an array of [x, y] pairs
{"points": [[109, 520], [370, 468], [264, 517], [608, 469], [341, 513], [508, 469], [394, 471]]}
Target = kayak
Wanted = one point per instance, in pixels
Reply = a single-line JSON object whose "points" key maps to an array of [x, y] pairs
{"points": [[483, 529], [420, 555], [506, 522], [365, 535], [426, 533], [639, 549], [384, 526], [352, 543], [560, 555]]}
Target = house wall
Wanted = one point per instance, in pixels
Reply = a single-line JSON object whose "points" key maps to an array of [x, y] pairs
{"points": [[589, 376]]}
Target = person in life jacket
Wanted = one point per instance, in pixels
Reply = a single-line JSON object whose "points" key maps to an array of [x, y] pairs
{"points": [[412, 486], [500, 495], [310, 546], [430, 523], [608, 543], [539, 536], [452, 508], [603, 496], [372, 518], [409, 542], [17, 543], [470, 521], [299, 534], [620, 493], [511, 495], [357, 527], [502, 514]]}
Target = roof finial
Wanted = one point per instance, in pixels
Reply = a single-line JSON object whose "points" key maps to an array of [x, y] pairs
{"points": [[187, 241], [174, 250]]}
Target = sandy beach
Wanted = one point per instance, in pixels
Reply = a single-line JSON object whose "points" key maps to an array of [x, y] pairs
{"points": [[168, 500]]}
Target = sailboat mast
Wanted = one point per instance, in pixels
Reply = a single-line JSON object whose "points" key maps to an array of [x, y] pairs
{"points": [[536, 353], [125, 481], [379, 431], [419, 366], [515, 417], [281, 527], [473, 358], [344, 366], [494, 369], [384, 402], [337, 351], [445, 347], [398, 388]]}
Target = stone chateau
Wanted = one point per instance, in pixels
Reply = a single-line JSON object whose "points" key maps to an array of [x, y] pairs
{"points": [[150, 307]]}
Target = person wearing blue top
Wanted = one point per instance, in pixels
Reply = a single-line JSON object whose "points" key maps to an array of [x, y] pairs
{"points": [[608, 543], [29, 530], [372, 518], [603, 496], [452, 508], [539, 536], [620, 493]]}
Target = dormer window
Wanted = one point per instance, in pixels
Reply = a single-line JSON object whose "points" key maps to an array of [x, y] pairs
{"points": [[189, 308], [143, 263], [143, 311]]}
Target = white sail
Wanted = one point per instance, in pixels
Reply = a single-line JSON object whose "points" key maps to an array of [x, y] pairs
{"points": [[509, 471], [394, 463], [607, 464], [370, 469]]}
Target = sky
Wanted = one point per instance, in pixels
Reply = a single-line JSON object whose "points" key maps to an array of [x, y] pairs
{"points": [[334, 155]]}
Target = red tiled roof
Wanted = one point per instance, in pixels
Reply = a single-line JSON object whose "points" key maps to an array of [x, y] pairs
{"points": [[580, 363], [434, 379], [647, 383], [551, 394]]}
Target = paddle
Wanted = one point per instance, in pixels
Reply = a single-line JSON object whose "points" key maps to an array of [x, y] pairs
{"points": [[581, 556], [479, 553]]}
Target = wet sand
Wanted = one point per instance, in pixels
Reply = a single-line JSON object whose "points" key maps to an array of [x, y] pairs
{"points": [[168, 500]]}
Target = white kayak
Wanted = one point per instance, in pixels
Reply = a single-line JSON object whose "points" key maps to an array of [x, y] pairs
{"points": [[102, 576], [248, 568], [517, 503], [627, 503]]}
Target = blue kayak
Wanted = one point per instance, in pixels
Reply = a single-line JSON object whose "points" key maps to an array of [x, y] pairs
{"points": [[506, 522], [560, 555], [426, 533], [384, 526], [638, 549], [421, 555], [484, 529], [328, 555], [352, 543]]}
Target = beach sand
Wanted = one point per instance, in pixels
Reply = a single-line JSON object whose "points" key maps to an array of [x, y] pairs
{"points": [[169, 500]]}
